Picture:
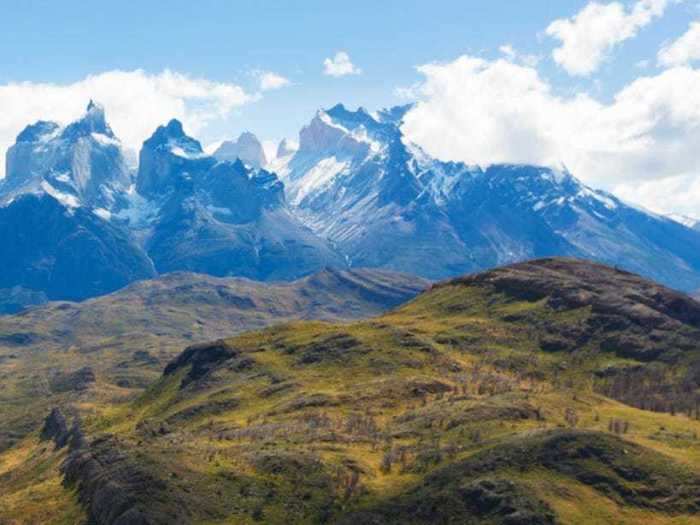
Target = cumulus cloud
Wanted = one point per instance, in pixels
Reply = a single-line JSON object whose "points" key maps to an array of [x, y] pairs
{"points": [[588, 37], [270, 81], [136, 102], [484, 112], [684, 50], [340, 65]]}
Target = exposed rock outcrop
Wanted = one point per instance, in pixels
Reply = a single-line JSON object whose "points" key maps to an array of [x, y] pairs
{"points": [[628, 315], [56, 428], [201, 359], [76, 381], [115, 489]]}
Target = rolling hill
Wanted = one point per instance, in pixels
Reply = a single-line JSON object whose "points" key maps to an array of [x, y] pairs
{"points": [[115, 345], [553, 391]]}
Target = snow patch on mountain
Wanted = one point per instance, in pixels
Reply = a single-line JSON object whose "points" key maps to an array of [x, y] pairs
{"points": [[137, 212], [685, 220], [70, 201], [178, 151], [105, 140], [319, 177], [103, 214]]}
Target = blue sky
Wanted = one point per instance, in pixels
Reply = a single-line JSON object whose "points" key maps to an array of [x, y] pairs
{"points": [[60, 44]]}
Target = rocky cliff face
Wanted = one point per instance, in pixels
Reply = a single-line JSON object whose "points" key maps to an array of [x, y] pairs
{"points": [[81, 164], [286, 148], [222, 218], [111, 485], [66, 253], [247, 148]]}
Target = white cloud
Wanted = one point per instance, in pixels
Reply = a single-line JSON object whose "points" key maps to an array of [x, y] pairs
{"points": [[684, 50], [588, 37], [340, 65], [270, 81], [409, 93], [136, 103], [485, 112], [515, 56], [679, 194], [508, 51]]}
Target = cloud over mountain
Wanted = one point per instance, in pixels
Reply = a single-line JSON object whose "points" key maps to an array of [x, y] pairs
{"points": [[137, 102], [483, 112]]}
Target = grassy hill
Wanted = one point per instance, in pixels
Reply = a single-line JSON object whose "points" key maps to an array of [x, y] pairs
{"points": [[555, 391], [110, 348]]}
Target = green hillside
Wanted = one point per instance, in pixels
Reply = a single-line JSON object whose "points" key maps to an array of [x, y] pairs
{"points": [[110, 348], [555, 391]]}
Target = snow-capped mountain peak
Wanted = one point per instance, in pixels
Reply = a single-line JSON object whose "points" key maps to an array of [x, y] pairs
{"points": [[172, 138], [82, 163], [92, 122], [42, 130], [166, 156], [338, 130]]}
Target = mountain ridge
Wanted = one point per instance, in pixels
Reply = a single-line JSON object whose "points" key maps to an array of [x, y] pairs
{"points": [[355, 193], [384, 202]]}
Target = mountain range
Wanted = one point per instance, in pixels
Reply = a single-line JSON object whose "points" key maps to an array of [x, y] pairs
{"points": [[384, 202], [77, 222]]}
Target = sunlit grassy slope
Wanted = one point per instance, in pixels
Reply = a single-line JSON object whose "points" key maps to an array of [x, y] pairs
{"points": [[485, 400], [109, 348]]}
